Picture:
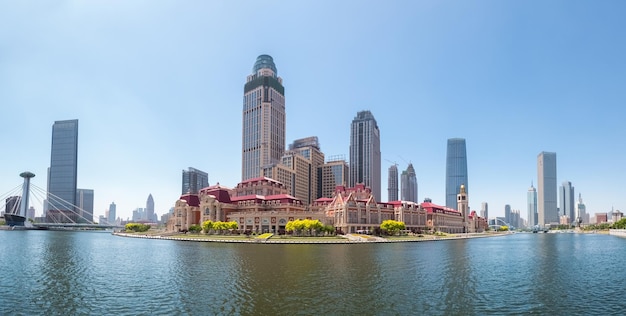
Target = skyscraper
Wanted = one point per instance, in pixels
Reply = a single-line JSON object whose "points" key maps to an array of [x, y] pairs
{"points": [[567, 200], [309, 148], [194, 180], [581, 211], [484, 210], [392, 183], [112, 213], [365, 152], [531, 199], [546, 189], [409, 184], [63, 171], [263, 135], [507, 214], [150, 209], [456, 170], [84, 201]]}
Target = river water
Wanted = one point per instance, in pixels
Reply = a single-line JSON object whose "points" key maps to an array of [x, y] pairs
{"points": [[96, 273]]}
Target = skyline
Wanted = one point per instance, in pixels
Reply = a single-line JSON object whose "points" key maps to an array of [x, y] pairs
{"points": [[159, 90]]}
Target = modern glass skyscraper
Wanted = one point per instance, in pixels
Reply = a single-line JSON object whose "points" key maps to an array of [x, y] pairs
{"points": [[546, 189], [409, 184], [334, 173], [365, 152], [263, 136], [456, 170], [531, 199], [194, 180], [567, 200], [63, 171], [507, 214], [392, 183], [84, 201]]}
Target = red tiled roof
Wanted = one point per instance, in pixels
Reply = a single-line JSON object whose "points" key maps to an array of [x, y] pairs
{"points": [[192, 199]]}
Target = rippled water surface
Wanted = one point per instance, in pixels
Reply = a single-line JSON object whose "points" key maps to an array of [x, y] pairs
{"points": [[91, 273]]}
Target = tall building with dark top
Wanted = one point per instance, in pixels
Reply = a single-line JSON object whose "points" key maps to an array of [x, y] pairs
{"points": [[456, 170], [409, 184], [263, 134], [63, 172], [365, 152]]}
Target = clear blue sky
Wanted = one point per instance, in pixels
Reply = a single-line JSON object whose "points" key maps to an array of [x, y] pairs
{"points": [[157, 87]]}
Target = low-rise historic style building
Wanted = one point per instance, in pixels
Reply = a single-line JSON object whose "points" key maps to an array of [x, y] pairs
{"points": [[263, 205]]}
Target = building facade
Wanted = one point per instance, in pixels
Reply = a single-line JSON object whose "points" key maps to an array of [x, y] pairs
{"points": [[484, 210], [531, 203], [456, 170], [194, 180], [392, 183], [409, 184], [309, 148], [263, 134], [566, 201], [365, 152], [63, 173], [547, 212], [84, 202], [582, 216], [334, 173]]}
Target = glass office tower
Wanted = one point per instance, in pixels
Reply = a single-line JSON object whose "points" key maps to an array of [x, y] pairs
{"points": [[63, 171], [547, 212], [456, 170]]}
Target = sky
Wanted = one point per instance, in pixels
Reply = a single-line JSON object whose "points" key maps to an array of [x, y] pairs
{"points": [[157, 87]]}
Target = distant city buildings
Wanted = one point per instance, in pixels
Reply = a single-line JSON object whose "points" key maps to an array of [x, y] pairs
{"points": [[62, 174], [392, 183], [546, 189], [194, 180], [456, 170], [531, 202], [365, 152], [409, 184], [566, 201], [263, 131]]}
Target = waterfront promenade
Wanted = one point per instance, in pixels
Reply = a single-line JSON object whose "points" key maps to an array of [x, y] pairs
{"points": [[340, 239]]}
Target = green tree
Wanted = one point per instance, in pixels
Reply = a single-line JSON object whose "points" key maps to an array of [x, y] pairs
{"points": [[195, 229], [503, 228], [207, 226], [392, 227], [136, 227], [621, 224]]}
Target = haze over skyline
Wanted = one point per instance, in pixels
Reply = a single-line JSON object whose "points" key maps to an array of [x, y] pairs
{"points": [[157, 87]]}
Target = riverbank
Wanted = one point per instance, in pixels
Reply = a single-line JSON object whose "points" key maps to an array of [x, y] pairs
{"points": [[340, 239], [618, 232]]}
